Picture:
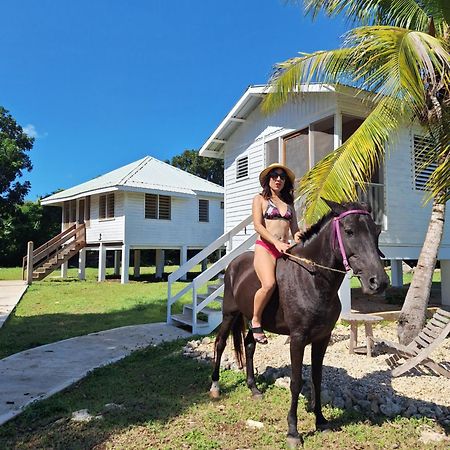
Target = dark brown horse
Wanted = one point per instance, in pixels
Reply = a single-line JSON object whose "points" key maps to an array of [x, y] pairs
{"points": [[305, 304]]}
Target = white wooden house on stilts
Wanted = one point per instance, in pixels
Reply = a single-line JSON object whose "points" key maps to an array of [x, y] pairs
{"points": [[316, 120], [147, 204]]}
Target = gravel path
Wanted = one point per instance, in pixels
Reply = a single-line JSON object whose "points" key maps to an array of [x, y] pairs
{"points": [[352, 381]]}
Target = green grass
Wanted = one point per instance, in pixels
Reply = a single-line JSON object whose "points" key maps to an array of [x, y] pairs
{"points": [[56, 309], [163, 404]]}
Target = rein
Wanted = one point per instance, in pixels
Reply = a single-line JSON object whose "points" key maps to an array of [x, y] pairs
{"points": [[335, 235]]}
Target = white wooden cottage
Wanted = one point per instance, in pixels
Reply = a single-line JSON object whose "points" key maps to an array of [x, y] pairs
{"points": [[147, 204], [317, 120]]}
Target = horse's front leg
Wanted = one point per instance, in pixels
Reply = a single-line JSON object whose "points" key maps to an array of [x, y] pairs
{"points": [[318, 350], [297, 349], [250, 345]]}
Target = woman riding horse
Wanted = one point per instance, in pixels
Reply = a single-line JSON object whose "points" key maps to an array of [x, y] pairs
{"points": [[273, 216], [305, 304]]}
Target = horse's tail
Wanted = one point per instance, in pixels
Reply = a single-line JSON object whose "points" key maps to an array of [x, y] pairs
{"points": [[238, 337]]}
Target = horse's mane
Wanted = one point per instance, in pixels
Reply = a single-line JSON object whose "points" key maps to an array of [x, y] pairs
{"points": [[314, 230]]}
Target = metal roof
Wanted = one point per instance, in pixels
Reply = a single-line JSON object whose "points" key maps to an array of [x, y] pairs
{"points": [[145, 175]]}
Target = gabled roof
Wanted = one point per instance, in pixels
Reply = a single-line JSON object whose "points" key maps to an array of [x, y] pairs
{"points": [[249, 101], [145, 175]]}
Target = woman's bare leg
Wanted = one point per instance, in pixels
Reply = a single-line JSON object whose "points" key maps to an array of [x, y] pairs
{"points": [[264, 264]]}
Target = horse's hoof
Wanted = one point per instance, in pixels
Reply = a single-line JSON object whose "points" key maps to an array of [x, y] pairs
{"points": [[321, 423], [214, 394], [257, 396], [294, 442]]}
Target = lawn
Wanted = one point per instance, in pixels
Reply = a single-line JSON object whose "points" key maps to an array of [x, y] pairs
{"points": [[156, 399]]}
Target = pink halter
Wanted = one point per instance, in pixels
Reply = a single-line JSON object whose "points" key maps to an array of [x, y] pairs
{"points": [[336, 233]]}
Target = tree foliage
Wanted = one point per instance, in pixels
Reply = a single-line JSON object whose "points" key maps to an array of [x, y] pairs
{"points": [[14, 160], [210, 169]]}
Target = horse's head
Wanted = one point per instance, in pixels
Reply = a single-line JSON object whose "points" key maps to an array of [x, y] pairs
{"points": [[355, 240]]}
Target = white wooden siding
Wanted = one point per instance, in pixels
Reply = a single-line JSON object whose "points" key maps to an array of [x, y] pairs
{"points": [[184, 227], [111, 230], [407, 219]]}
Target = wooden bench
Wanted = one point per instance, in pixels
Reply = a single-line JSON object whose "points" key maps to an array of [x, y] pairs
{"points": [[354, 319]]}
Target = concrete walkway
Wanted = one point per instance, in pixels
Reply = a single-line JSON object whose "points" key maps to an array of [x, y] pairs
{"points": [[10, 294], [40, 372]]}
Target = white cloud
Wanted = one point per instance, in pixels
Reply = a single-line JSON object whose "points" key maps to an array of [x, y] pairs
{"points": [[31, 131]]}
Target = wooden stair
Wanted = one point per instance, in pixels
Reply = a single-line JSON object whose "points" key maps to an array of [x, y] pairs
{"points": [[51, 255]]}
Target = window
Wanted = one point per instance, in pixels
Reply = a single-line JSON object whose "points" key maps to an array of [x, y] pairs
{"points": [[222, 205], [157, 207], [296, 151], [203, 210], [106, 207], [242, 168], [423, 167]]}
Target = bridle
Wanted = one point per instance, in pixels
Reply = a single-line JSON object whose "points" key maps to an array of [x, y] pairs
{"points": [[335, 236]]}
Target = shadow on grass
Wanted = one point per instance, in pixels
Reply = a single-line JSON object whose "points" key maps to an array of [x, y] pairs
{"points": [[148, 389], [25, 332]]}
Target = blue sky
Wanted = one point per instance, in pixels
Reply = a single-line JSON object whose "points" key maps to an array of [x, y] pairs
{"points": [[102, 83]]}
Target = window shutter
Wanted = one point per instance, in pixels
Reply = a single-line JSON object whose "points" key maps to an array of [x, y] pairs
{"points": [[110, 206], [422, 167], [203, 210], [73, 210], [164, 207], [151, 206], [242, 168], [88, 208], [102, 207], [66, 212]]}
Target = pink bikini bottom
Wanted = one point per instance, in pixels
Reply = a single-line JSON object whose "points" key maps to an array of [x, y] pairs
{"points": [[270, 248]]}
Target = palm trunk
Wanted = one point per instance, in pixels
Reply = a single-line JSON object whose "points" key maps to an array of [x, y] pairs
{"points": [[413, 313]]}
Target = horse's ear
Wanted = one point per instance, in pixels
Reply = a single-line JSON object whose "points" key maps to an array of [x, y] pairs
{"points": [[367, 207], [336, 208]]}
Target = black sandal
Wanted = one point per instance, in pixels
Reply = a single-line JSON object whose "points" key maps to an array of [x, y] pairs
{"points": [[259, 330]]}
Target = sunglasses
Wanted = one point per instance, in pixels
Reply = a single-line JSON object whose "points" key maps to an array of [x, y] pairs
{"points": [[275, 175]]}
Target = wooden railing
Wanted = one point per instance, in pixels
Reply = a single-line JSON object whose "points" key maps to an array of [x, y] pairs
{"points": [[51, 247]]}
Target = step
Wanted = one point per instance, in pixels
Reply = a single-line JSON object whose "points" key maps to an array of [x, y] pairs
{"points": [[186, 319], [218, 299], [207, 311]]}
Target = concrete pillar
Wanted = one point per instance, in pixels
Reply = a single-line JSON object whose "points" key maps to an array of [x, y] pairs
{"points": [[117, 262], [204, 264], [159, 263], [445, 282], [396, 273], [345, 295], [82, 264], [137, 264], [124, 277], [101, 262], [337, 140], [64, 267], [183, 259]]}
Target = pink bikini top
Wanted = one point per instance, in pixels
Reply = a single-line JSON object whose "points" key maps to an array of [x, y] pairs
{"points": [[273, 213]]}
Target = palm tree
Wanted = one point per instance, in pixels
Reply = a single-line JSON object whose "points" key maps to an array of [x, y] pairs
{"points": [[400, 54]]}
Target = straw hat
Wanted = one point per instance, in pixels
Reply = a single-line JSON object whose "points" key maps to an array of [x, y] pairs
{"points": [[274, 166]]}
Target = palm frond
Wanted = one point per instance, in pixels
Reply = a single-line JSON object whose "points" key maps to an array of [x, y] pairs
{"points": [[409, 14]]}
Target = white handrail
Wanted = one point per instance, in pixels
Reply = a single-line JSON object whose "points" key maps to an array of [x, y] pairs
{"points": [[184, 269], [208, 273]]}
